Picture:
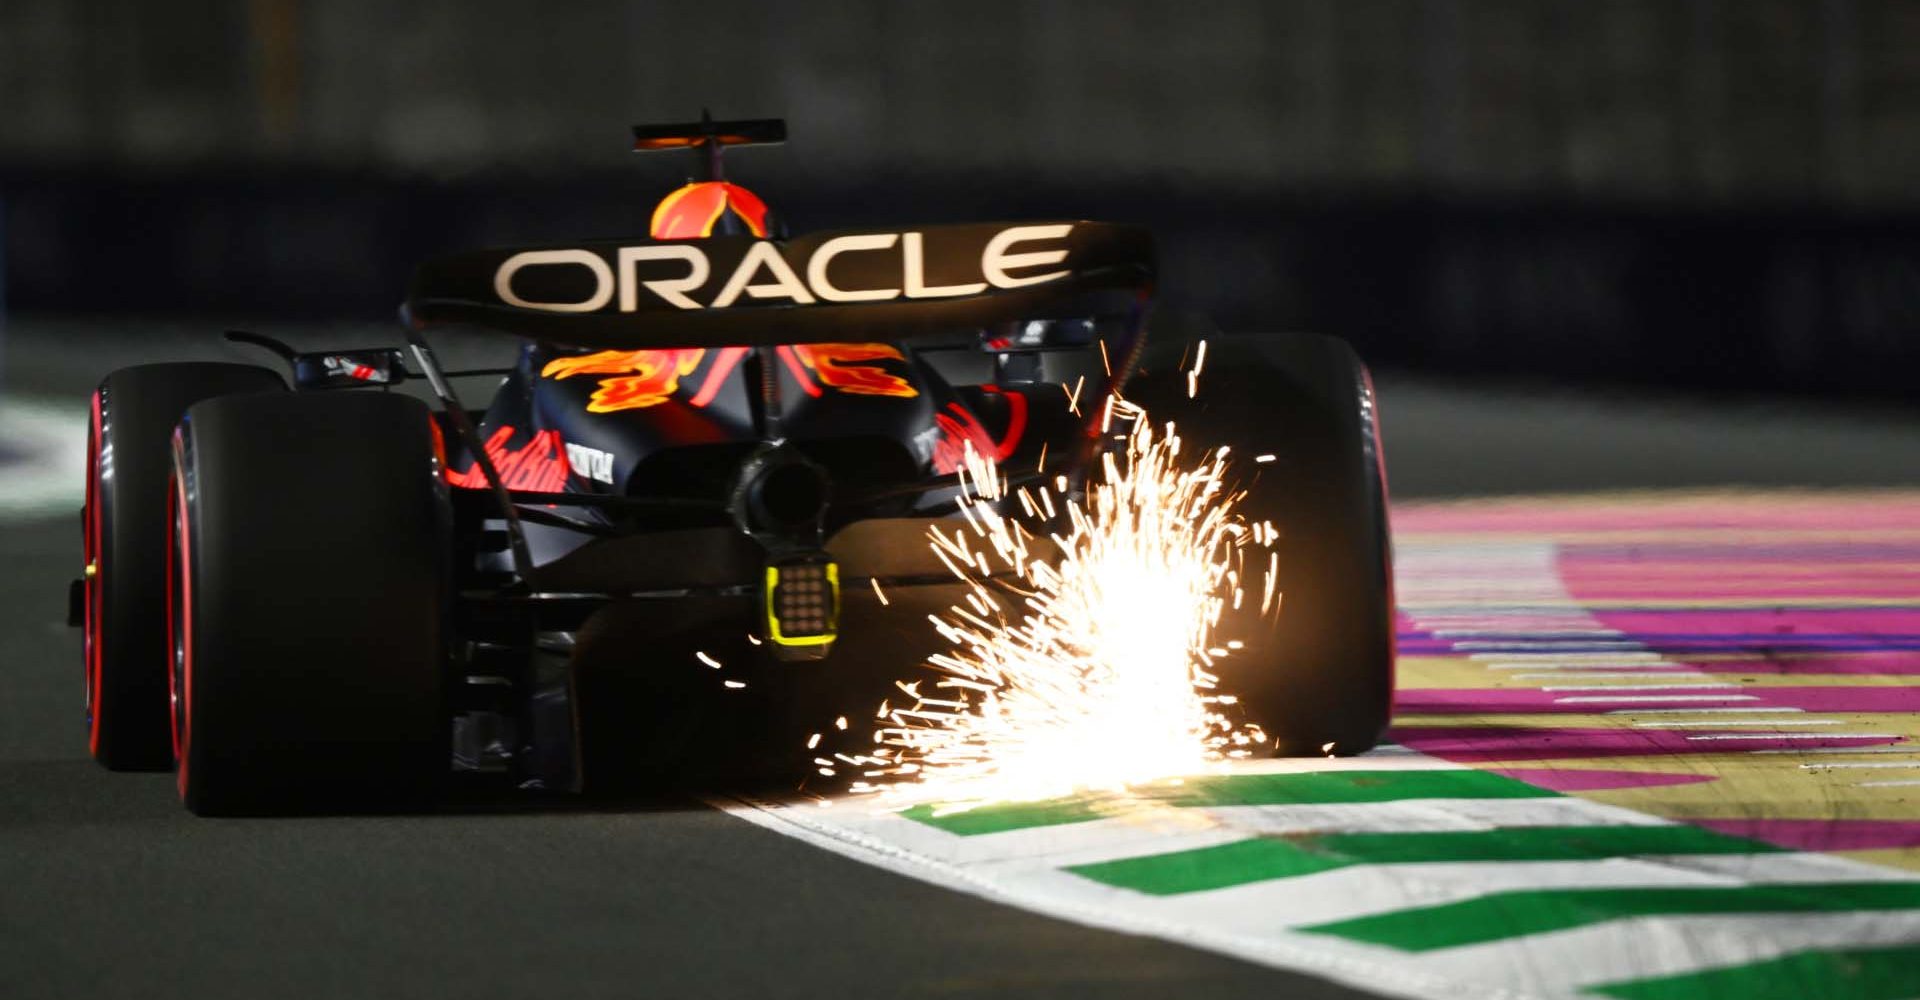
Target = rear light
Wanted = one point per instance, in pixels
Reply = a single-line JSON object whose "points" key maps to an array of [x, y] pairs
{"points": [[802, 602]]}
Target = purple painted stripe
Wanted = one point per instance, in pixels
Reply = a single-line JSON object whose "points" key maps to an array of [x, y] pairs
{"points": [[1467, 744], [1702, 603], [1778, 632], [1822, 834], [1427, 646], [1713, 514], [1566, 779], [1460, 701]]}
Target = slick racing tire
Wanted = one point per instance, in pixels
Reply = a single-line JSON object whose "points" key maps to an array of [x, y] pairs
{"points": [[1317, 675], [308, 602], [124, 544]]}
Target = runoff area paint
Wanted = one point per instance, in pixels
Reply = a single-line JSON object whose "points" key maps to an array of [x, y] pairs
{"points": [[1646, 746]]}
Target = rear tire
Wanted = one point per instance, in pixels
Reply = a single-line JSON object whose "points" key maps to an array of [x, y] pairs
{"points": [[124, 539], [312, 557], [1317, 676]]}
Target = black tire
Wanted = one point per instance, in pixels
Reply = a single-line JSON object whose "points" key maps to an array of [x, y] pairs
{"points": [[311, 558], [1317, 676], [124, 543]]}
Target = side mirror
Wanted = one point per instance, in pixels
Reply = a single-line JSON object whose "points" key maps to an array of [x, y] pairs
{"points": [[340, 369], [1037, 335]]}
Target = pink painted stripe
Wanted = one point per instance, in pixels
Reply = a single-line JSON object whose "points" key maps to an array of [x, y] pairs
{"points": [[1595, 780], [1822, 834], [1459, 701], [1774, 513], [1466, 744], [1783, 591]]}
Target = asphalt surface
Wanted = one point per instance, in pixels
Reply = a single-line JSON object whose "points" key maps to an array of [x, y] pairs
{"points": [[108, 888]]}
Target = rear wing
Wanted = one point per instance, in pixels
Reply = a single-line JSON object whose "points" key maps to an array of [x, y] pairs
{"points": [[833, 286], [750, 132]]}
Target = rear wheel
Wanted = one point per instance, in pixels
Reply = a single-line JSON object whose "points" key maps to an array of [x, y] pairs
{"points": [[1318, 675], [123, 533], [309, 594]]}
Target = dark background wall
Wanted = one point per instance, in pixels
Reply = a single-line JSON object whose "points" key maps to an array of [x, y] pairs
{"points": [[1707, 192]]}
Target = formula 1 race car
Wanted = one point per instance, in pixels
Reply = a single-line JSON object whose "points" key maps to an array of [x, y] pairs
{"points": [[695, 509]]}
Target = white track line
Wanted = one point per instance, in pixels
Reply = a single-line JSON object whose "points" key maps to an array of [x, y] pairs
{"points": [[1811, 751], [1580, 675], [1639, 687], [1695, 711], [1607, 664], [1653, 699], [1795, 736], [1566, 657], [1895, 764], [1736, 722], [1563, 633], [1543, 646]]}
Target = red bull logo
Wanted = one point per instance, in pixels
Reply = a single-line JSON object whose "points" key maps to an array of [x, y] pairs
{"points": [[538, 466]]}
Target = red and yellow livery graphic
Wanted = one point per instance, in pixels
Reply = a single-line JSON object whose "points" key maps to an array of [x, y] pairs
{"points": [[836, 367], [539, 466], [651, 377], [646, 378]]}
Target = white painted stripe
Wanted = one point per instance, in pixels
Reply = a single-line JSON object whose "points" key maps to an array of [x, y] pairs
{"points": [[1779, 868], [1468, 633], [1588, 699], [1826, 765], [1905, 783], [1825, 750], [1736, 722], [1694, 711], [1575, 646], [1561, 963], [1487, 617], [1428, 816], [1345, 893], [1567, 657], [1640, 687], [1610, 663], [1577, 675], [1794, 736], [1500, 622]]}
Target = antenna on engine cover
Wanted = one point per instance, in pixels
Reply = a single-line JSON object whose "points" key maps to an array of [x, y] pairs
{"points": [[707, 138]]}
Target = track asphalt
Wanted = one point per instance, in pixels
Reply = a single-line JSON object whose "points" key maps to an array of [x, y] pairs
{"points": [[107, 888]]}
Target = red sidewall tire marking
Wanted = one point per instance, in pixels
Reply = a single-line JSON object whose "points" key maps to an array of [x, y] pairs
{"points": [[180, 666], [1386, 515], [95, 586]]}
